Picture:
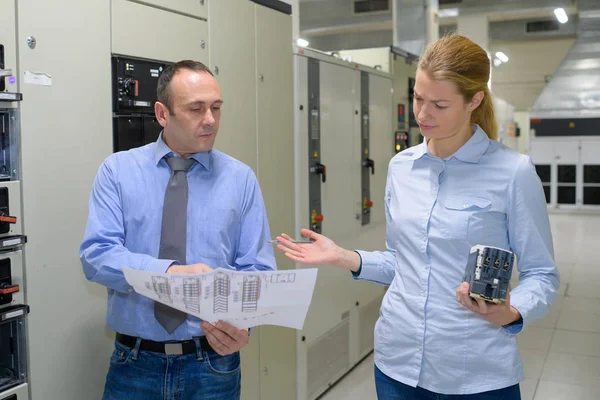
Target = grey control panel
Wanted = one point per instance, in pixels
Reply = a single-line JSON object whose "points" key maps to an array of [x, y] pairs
{"points": [[368, 165], [317, 171]]}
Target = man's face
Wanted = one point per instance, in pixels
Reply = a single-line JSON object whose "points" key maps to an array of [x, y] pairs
{"points": [[192, 125]]}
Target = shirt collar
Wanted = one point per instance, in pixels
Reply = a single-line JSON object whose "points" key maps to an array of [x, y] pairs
{"points": [[163, 150], [475, 147], [470, 152]]}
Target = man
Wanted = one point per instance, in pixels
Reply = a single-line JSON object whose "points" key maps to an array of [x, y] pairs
{"points": [[138, 219]]}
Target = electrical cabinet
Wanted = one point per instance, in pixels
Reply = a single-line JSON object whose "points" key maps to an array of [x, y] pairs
{"points": [[253, 65], [344, 139], [14, 360], [569, 170]]}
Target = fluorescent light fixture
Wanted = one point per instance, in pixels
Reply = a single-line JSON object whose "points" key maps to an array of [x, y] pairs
{"points": [[497, 62], [503, 57], [302, 42], [561, 15], [448, 13]]}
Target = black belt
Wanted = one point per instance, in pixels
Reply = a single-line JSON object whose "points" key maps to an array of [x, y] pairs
{"points": [[182, 347]]}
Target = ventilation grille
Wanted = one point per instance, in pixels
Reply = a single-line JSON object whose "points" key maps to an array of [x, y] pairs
{"points": [[549, 25], [367, 316], [369, 6], [328, 358]]}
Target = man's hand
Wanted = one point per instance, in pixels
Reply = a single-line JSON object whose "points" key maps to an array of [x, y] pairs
{"points": [[497, 314], [188, 269], [225, 338]]}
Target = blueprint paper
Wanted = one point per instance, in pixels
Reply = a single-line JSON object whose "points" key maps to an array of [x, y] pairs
{"points": [[243, 299]]}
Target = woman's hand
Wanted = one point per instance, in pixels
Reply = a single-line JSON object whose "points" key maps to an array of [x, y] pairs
{"points": [[497, 314], [322, 251]]}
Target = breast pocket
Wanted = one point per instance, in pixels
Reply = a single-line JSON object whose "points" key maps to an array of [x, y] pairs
{"points": [[458, 212], [216, 230]]}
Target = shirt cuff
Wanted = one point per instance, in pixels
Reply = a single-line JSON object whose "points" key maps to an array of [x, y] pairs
{"points": [[356, 274], [514, 327], [160, 266]]}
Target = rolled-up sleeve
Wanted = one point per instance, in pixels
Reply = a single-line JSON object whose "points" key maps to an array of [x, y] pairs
{"points": [[531, 240]]}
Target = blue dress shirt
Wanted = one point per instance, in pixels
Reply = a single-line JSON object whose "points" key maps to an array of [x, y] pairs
{"points": [[226, 227], [436, 209]]}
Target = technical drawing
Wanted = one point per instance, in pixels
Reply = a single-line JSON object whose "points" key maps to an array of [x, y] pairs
{"points": [[250, 293], [191, 293], [283, 278], [162, 288], [221, 293]]}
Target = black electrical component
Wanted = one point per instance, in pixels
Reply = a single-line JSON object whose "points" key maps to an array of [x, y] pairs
{"points": [[488, 273], [6, 286], [400, 141], [134, 83]]}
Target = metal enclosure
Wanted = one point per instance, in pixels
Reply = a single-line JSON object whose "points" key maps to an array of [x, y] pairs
{"points": [[14, 360], [343, 118], [569, 169], [68, 125]]}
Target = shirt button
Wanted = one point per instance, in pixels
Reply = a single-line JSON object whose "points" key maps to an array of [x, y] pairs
{"points": [[130, 290], [420, 348], [424, 294]]}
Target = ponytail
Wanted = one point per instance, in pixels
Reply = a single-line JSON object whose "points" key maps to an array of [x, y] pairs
{"points": [[484, 116]]}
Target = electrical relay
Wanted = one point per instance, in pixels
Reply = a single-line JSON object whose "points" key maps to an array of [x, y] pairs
{"points": [[488, 273]]}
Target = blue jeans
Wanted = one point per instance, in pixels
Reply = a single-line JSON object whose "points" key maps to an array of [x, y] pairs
{"points": [[389, 389], [144, 375]]}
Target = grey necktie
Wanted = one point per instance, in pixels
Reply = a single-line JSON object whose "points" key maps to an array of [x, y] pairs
{"points": [[173, 233]]}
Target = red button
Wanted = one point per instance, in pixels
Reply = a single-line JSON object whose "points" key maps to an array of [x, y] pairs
{"points": [[319, 218], [369, 204]]}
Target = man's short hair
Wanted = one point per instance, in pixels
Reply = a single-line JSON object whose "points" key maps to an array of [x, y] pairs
{"points": [[163, 90]]}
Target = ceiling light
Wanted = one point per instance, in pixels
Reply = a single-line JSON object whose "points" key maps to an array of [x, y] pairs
{"points": [[301, 42], [561, 15], [497, 62], [448, 12], [503, 57]]}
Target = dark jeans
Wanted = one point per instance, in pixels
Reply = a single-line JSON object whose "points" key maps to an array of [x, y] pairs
{"points": [[389, 389], [144, 375]]}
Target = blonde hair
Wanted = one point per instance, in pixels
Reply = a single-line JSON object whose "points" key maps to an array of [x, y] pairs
{"points": [[457, 59]]}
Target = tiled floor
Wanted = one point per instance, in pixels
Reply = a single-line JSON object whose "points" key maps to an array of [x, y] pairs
{"points": [[561, 352]]}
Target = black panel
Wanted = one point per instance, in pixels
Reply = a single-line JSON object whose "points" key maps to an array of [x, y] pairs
{"points": [[2, 83], [547, 193], [567, 174], [128, 132], [566, 127], [5, 280], [4, 210], [591, 173], [134, 84], [566, 195], [412, 119], [275, 5], [591, 195], [543, 172], [368, 165], [366, 6]]}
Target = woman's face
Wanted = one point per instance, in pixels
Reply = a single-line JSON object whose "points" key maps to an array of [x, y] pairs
{"points": [[440, 109]]}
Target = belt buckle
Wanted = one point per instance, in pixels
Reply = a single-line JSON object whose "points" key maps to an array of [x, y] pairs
{"points": [[173, 349]]}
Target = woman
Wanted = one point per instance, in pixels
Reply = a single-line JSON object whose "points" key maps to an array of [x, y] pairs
{"points": [[457, 189]]}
